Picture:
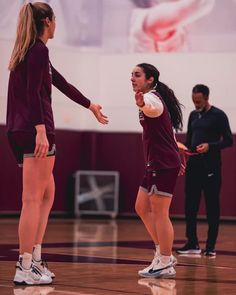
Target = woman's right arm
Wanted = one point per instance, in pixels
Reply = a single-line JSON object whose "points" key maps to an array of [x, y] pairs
{"points": [[150, 104]]}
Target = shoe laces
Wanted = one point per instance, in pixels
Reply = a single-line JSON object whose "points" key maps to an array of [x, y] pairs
{"points": [[44, 264]]}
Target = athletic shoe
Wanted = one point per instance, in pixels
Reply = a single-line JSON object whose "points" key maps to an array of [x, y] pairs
{"points": [[189, 249], [210, 252], [165, 272], [30, 276], [174, 260], [160, 270], [36, 290], [154, 262], [42, 266], [146, 269]]}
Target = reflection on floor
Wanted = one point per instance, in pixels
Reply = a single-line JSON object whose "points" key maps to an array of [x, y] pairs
{"points": [[104, 256]]}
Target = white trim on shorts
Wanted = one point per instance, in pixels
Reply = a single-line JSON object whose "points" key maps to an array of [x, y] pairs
{"points": [[50, 153], [155, 191]]}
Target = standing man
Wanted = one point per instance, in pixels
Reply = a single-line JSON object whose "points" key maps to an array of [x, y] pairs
{"points": [[208, 133]]}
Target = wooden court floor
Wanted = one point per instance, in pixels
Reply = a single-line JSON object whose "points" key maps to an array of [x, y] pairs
{"points": [[103, 257]]}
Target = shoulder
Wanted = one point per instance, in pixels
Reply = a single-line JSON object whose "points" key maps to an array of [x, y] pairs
{"points": [[39, 49], [153, 99], [218, 112], [153, 105], [152, 96], [192, 114]]}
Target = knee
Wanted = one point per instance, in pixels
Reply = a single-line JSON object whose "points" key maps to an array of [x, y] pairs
{"points": [[160, 213], [33, 200]]}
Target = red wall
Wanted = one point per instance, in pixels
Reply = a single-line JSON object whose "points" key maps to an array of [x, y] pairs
{"points": [[122, 152]]}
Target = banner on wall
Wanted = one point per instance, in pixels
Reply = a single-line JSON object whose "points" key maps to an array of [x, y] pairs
{"points": [[136, 25]]}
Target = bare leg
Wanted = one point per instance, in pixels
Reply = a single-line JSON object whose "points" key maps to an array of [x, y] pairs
{"points": [[36, 175], [144, 210], [160, 207], [45, 209]]}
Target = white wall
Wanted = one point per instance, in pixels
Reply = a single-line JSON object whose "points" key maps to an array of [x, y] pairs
{"points": [[106, 80]]}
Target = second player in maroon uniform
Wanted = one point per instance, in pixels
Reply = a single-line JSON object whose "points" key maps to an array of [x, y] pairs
{"points": [[159, 114]]}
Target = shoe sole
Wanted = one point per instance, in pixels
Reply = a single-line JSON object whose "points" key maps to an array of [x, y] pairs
{"points": [[163, 276], [158, 275], [144, 273], [24, 284]]}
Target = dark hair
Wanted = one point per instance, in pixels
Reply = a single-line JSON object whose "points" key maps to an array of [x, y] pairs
{"points": [[40, 12], [167, 94], [202, 89]]}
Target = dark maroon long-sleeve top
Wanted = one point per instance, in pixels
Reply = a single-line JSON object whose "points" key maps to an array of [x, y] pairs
{"points": [[29, 91]]}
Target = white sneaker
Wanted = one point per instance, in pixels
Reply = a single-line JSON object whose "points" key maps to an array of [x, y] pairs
{"points": [[146, 269], [164, 273], [30, 276], [42, 266], [154, 262], [157, 268], [174, 260]]}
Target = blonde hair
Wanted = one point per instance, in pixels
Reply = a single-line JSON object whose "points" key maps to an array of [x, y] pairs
{"points": [[30, 25]]}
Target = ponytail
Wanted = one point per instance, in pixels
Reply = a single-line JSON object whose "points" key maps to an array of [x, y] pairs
{"points": [[25, 35], [172, 103], [30, 25]]}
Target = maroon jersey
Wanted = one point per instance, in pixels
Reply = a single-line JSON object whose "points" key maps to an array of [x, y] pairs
{"points": [[29, 91], [159, 144]]}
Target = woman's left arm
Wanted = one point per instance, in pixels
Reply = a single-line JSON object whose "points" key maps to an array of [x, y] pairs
{"points": [[74, 94]]}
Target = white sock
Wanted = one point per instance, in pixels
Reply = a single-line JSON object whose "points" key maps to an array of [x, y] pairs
{"points": [[37, 252], [157, 249], [165, 259], [26, 260]]}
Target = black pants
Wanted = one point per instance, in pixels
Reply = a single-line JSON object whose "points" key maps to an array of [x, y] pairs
{"points": [[202, 178]]}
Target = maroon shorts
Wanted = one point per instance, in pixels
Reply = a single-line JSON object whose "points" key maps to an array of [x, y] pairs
{"points": [[159, 181], [23, 145]]}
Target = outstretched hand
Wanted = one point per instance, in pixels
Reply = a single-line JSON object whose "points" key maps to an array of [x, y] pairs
{"points": [[96, 109]]}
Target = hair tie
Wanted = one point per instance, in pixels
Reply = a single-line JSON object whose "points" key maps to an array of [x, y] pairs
{"points": [[31, 5]]}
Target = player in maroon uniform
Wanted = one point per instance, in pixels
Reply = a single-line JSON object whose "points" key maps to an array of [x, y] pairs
{"points": [[159, 114], [31, 132]]}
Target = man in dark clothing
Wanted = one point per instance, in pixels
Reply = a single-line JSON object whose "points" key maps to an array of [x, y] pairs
{"points": [[208, 133]]}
